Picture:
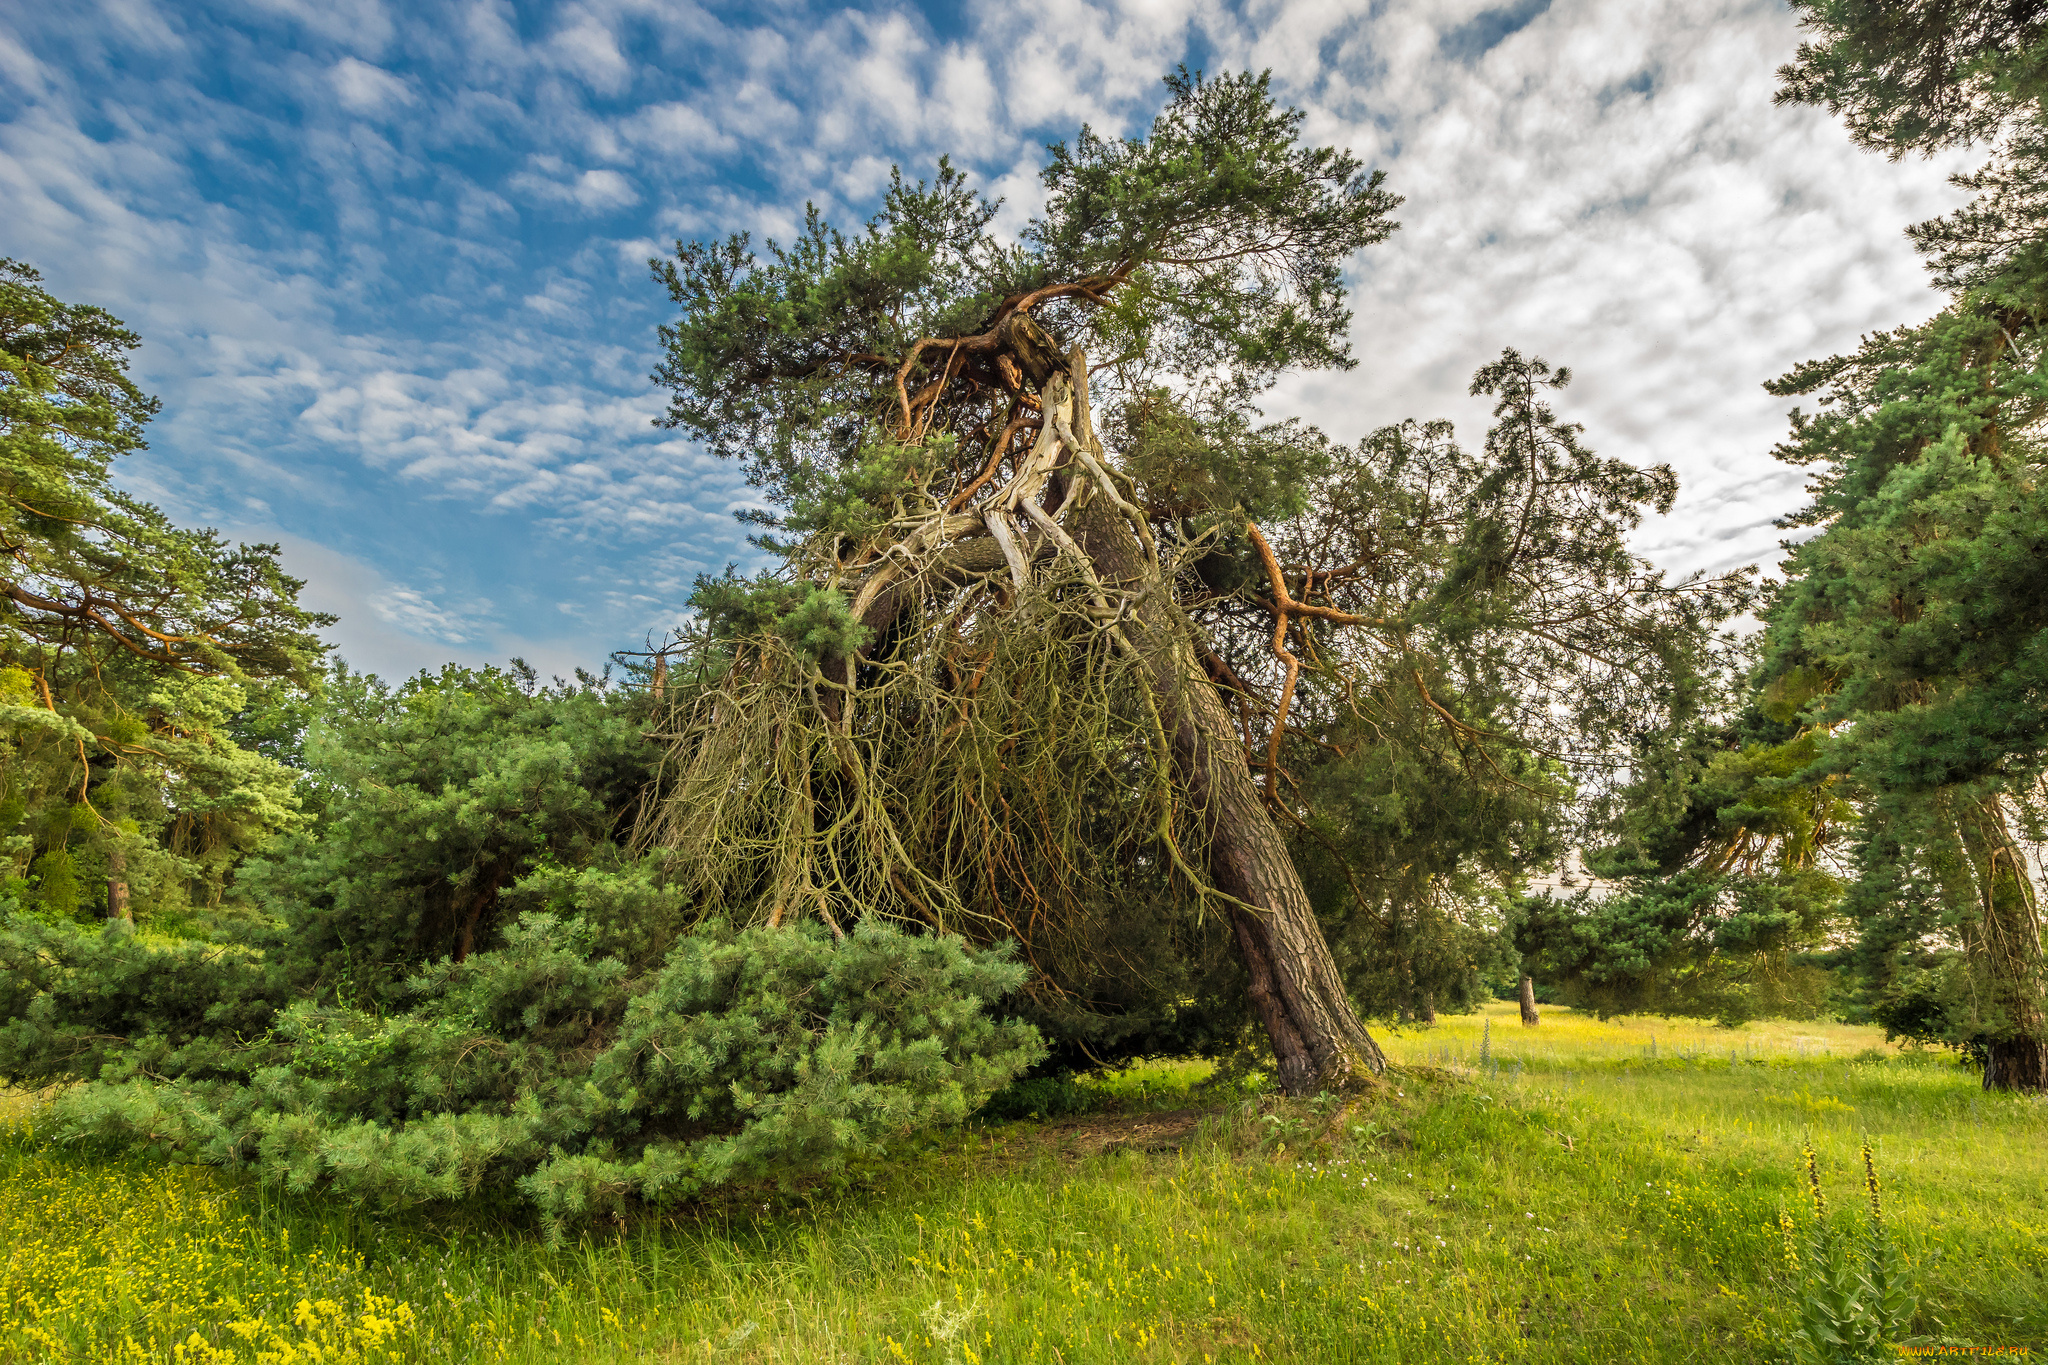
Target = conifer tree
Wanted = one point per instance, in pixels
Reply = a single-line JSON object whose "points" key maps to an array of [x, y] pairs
{"points": [[1919, 605], [140, 662], [1060, 623], [1720, 883]]}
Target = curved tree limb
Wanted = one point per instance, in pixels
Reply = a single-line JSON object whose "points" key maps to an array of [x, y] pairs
{"points": [[1285, 604]]}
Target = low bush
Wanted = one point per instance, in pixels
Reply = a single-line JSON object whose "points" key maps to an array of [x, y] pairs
{"points": [[545, 1063]]}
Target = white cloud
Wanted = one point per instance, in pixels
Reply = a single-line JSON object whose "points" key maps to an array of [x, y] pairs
{"points": [[361, 26], [675, 129], [595, 191], [19, 68], [584, 462], [366, 89], [372, 301], [395, 631], [601, 189], [1609, 186], [140, 24], [417, 614], [1066, 62], [587, 47]]}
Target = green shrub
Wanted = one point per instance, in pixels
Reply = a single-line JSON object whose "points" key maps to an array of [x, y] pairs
{"points": [[746, 1054], [457, 980]]}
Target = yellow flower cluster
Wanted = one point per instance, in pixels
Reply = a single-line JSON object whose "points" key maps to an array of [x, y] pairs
{"points": [[318, 1333], [133, 1263]]}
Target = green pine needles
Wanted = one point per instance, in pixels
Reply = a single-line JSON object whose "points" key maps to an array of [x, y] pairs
{"points": [[459, 981], [1915, 619], [554, 1066]]}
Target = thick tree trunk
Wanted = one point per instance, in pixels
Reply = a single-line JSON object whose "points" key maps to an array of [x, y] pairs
{"points": [[1427, 1010], [2007, 941], [1317, 1037], [480, 900], [1529, 1015], [2016, 1064]]}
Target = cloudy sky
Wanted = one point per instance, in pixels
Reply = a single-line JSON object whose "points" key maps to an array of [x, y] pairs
{"points": [[389, 259]]}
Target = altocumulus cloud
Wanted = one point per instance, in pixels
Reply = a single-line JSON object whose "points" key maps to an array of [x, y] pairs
{"points": [[368, 90], [390, 259]]}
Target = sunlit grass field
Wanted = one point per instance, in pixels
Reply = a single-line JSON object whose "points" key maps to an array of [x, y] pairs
{"points": [[1581, 1191]]}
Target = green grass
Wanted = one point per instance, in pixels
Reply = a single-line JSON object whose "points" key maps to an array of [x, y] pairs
{"points": [[1573, 1199]]}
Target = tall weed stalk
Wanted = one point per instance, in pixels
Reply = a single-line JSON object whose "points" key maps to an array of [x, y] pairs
{"points": [[1855, 1300]]}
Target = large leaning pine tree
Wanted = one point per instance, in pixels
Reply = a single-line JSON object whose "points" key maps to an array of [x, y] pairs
{"points": [[1060, 626]]}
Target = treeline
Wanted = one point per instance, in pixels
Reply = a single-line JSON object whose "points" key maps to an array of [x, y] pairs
{"points": [[1894, 719]]}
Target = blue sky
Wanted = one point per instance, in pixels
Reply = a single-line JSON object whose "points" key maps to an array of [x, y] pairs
{"points": [[389, 260]]}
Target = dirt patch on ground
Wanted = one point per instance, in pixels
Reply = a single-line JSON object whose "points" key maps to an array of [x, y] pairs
{"points": [[1089, 1135]]}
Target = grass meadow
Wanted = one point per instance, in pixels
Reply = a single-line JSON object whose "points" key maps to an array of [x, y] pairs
{"points": [[1580, 1191]]}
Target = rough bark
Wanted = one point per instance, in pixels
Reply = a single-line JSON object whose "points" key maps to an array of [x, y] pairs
{"points": [[2007, 940], [1318, 1040], [1529, 1015], [117, 885], [2016, 1064], [485, 895], [1426, 1011]]}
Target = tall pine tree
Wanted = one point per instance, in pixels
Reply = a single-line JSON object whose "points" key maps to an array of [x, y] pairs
{"points": [[1922, 601], [142, 665]]}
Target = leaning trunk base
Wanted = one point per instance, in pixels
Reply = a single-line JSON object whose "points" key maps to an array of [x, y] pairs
{"points": [[1318, 1041]]}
